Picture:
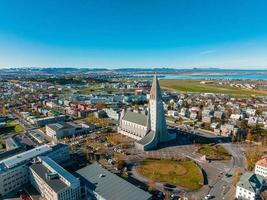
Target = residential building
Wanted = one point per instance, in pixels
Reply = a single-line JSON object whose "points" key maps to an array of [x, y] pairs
{"points": [[207, 119], [249, 186], [112, 113], [261, 167], [218, 114], [184, 112]]}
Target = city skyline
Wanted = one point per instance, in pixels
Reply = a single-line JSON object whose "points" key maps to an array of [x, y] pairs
{"points": [[117, 34]]}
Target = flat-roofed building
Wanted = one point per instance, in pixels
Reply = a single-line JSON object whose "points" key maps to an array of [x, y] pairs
{"points": [[48, 120], [67, 129], [59, 130], [52, 181], [14, 171], [112, 113], [98, 183]]}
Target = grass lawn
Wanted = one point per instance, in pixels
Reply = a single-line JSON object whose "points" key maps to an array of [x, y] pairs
{"points": [[92, 88], [12, 126], [195, 87], [214, 152], [181, 173], [2, 144]]}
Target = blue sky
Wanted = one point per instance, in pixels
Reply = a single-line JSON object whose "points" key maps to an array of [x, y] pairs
{"points": [[133, 33]]}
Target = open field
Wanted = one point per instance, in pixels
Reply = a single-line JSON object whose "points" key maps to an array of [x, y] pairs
{"points": [[92, 88], [194, 86], [181, 173], [214, 152]]}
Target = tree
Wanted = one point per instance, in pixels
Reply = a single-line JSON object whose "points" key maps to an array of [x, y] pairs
{"points": [[151, 185], [264, 141], [4, 113], [243, 124], [253, 155], [249, 136], [100, 106], [236, 176], [121, 164]]}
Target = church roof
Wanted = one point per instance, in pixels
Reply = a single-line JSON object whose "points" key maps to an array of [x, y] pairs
{"points": [[147, 139], [136, 118]]}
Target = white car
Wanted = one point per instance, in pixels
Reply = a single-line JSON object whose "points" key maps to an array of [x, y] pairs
{"points": [[207, 197]]}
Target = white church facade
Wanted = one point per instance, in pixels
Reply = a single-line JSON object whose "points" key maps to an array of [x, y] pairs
{"points": [[148, 130]]}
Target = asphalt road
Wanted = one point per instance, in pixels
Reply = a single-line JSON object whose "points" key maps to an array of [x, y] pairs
{"points": [[224, 188]]}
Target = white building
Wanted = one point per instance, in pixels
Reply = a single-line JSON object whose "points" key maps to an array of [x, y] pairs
{"points": [[150, 130], [173, 113], [14, 171], [61, 130], [249, 186], [261, 167], [52, 181], [236, 117], [112, 113]]}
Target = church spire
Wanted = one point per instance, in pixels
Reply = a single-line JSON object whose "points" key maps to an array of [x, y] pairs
{"points": [[155, 93]]}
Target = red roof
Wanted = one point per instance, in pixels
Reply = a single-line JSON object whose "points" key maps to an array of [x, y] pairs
{"points": [[263, 161]]}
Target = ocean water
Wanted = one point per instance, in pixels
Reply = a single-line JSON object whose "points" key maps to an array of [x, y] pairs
{"points": [[252, 75], [228, 76]]}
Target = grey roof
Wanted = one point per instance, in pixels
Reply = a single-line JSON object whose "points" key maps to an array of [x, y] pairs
{"points": [[251, 181], [136, 118], [56, 184], [25, 156], [59, 170], [110, 186], [58, 126]]}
